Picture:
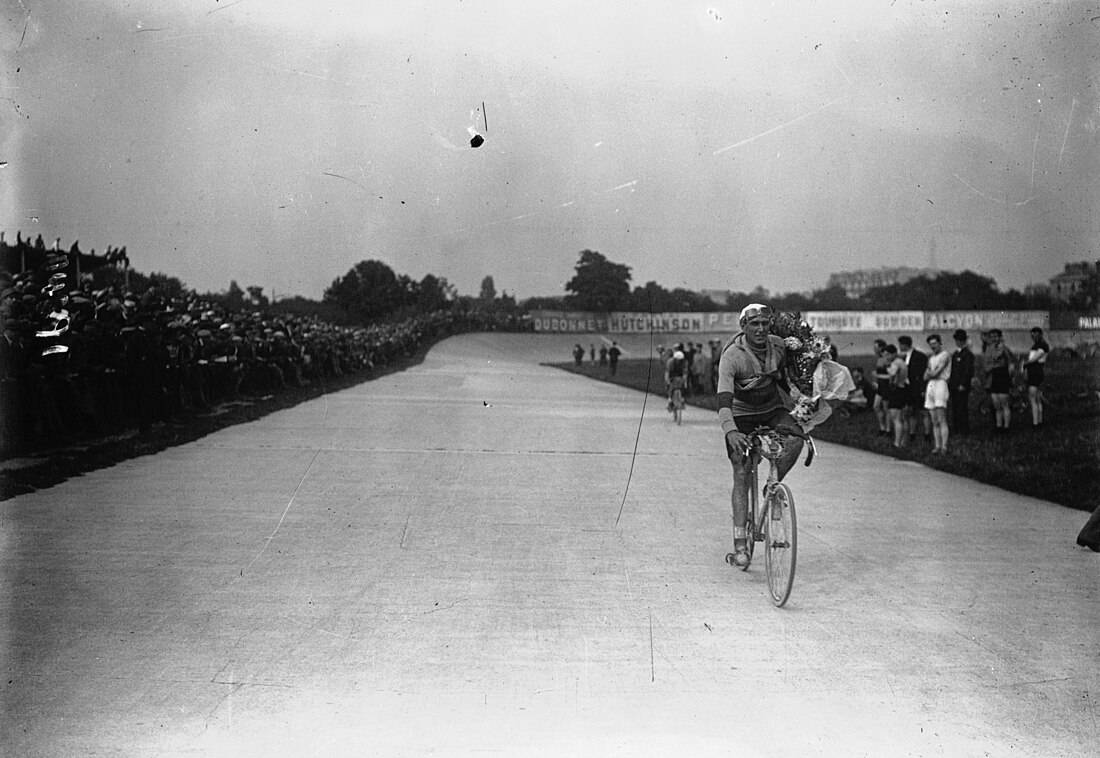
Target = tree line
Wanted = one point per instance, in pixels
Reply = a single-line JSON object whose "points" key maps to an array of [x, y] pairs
{"points": [[602, 285], [371, 291]]}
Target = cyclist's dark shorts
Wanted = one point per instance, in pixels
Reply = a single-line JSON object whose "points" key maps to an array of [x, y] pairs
{"points": [[775, 419]]}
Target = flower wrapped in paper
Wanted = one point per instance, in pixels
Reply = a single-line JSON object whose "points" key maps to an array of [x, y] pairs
{"points": [[831, 384], [816, 380]]}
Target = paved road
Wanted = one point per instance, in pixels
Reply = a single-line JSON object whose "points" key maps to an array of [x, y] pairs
{"points": [[450, 561]]}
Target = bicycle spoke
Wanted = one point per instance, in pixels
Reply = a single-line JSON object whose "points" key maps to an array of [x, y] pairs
{"points": [[780, 543]]}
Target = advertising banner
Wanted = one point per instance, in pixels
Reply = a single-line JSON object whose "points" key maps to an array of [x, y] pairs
{"points": [[643, 323], [825, 322], [981, 320], [568, 321], [1074, 320], [865, 321]]}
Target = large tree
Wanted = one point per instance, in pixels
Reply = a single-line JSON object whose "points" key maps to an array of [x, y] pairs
{"points": [[599, 284], [433, 293], [488, 291], [652, 298], [370, 290]]}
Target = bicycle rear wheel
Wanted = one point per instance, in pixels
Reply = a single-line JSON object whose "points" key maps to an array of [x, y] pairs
{"points": [[677, 405], [780, 544]]}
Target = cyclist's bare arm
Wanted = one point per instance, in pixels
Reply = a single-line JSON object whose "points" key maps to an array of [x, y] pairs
{"points": [[738, 440]]}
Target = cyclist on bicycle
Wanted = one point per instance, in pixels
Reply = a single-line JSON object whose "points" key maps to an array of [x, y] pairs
{"points": [[750, 376], [676, 369]]}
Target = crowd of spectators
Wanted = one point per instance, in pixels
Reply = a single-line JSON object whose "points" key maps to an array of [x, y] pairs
{"points": [[993, 375], [77, 363]]}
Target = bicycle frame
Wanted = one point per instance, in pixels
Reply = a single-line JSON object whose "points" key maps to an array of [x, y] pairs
{"points": [[772, 439], [772, 520]]}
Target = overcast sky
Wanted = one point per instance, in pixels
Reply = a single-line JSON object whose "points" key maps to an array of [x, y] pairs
{"points": [[279, 142]]}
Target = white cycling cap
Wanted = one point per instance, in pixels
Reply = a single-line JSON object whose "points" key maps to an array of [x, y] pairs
{"points": [[754, 309]]}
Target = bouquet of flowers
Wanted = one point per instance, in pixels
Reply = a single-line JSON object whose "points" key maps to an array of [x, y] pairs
{"points": [[805, 350], [811, 370]]}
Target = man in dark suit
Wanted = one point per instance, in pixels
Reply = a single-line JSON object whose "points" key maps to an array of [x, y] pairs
{"points": [[917, 362], [962, 376]]}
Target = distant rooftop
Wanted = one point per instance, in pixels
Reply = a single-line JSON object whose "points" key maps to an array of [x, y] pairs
{"points": [[857, 282], [1072, 280]]}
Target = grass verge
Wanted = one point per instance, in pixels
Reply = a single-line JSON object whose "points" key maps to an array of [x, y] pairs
{"points": [[1058, 461]]}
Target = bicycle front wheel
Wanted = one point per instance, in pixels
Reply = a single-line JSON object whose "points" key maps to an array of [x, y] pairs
{"points": [[780, 544]]}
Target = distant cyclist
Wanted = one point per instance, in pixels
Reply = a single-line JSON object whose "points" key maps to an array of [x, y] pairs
{"points": [[750, 375], [676, 369]]}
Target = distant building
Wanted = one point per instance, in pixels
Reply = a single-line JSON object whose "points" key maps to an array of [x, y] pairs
{"points": [[716, 296], [1065, 285], [855, 283]]}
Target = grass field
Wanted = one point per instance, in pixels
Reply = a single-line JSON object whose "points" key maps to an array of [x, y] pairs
{"points": [[1059, 461]]}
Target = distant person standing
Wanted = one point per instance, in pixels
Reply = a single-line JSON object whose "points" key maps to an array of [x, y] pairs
{"points": [[578, 354], [1035, 373], [997, 363], [613, 357], [882, 387], [916, 417], [700, 366], [936, 392], [603, 355], [592, 352], [898, 395], [958, 385]]}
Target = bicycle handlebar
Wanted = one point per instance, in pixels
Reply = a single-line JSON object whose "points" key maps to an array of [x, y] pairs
{"points": [[772, 439]]}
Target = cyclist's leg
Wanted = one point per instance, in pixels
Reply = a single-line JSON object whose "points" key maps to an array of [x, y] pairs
{"points": [[739, 500], [792, 446], [742, 482]]}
